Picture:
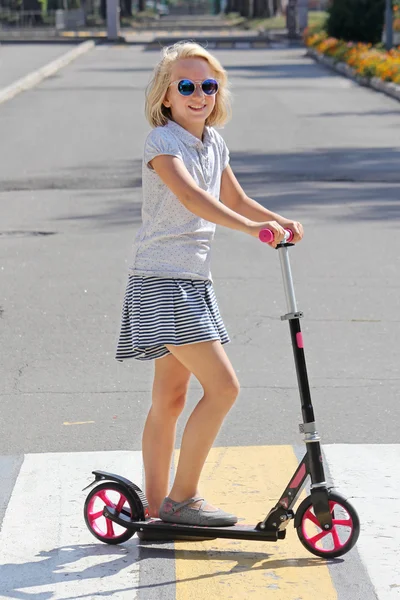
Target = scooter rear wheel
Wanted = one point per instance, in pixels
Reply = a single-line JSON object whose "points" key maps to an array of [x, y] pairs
{"points": [[335, 542], [112, 495]]}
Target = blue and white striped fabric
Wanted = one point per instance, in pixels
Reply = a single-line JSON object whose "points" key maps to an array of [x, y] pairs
{"points": [[158, 311]]}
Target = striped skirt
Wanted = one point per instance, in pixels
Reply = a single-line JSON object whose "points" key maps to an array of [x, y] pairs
{"points": [[158, 311]]}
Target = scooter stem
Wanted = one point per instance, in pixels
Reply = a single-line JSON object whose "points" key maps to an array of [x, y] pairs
{"points": [[308, 427], [293, 316], [287, 279]]}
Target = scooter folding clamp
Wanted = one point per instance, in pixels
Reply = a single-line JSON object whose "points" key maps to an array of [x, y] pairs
{"points": [[307, 427], [292, 315], [310, 432]]}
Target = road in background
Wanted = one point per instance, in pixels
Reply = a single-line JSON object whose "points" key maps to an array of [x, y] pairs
{"points": [[19, 60]]}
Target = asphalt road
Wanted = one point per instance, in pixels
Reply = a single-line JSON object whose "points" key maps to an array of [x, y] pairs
{"points": [[18, 60], [307, 143]]}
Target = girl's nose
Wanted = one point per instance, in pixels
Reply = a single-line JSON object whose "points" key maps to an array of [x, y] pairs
{"points": [[199, 91]]}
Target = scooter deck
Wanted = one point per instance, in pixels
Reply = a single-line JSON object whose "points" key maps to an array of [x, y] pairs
{"points": [[238, 531]]}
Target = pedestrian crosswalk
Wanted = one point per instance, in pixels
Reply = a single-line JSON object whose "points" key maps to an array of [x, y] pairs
{"points": [[46, 551]]}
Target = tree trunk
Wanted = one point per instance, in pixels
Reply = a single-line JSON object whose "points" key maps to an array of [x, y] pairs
{"points": [[229, 7], [270, 8], [265, 8], [235, 4], [126, 8], [258, 8], [245, 8]]}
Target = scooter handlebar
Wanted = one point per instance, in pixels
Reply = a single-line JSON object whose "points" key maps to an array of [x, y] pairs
{"points": [[267, 236]]}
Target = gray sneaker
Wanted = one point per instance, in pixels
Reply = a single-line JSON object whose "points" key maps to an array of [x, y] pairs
{"points": [[179, 512]]}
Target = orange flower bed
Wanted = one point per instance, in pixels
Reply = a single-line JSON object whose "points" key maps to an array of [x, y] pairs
{"points": [[367, 60], [396, 17]]}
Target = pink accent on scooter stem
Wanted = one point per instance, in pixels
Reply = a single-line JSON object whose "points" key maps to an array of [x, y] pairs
{"points": [[299, 340], [267, 236]]}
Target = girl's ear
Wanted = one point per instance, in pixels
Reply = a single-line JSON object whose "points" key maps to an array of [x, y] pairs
{"points": [[166, 102]]}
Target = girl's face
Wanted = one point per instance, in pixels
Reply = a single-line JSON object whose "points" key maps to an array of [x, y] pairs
{"points": [[191, 111]]}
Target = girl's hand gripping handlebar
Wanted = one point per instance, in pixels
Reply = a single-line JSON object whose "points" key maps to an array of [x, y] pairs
{"points": [[267, 236]]}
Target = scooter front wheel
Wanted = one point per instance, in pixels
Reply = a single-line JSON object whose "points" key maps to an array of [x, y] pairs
{"points": [[338, 540], [112, 495]]}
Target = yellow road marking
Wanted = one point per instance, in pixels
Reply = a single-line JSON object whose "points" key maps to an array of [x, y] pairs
{"points": [[83, 33], [248, 481], [78, 423]]}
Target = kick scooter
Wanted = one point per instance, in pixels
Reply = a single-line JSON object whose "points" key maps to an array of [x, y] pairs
{"points": [[326, 523]]}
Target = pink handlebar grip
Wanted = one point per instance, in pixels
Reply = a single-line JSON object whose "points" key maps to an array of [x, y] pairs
{"points": [[267, 236]]}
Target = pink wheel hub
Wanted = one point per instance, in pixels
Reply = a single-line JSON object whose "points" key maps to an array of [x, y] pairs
{"points": [[328, 541], [97, 521]]}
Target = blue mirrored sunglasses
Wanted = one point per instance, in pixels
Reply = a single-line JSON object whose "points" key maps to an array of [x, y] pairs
{"points": [[186, 87]]}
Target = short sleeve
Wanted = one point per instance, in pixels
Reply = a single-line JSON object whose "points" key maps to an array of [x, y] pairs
{"points": [[225, 155], [222, 149], [160, 141]]}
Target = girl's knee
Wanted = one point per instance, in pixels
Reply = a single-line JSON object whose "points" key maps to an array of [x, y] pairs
{"points": [[227, 390], [176, 404], [233, 389], [169, 403]]}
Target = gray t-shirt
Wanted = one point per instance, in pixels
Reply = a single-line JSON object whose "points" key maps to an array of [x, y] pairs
{"points": [[172, 241]]}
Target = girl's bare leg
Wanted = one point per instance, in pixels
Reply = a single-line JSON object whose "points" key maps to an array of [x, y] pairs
{"points": [[211, 366], [171, 381]]}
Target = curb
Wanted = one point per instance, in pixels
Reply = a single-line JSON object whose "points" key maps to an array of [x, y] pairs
{"points": [[387, 87], [65, 37], [216, 45], [72, 41], [29, 81], [212, 42], [232, 41]]}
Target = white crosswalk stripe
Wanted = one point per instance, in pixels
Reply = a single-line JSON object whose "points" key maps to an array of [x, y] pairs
{"points": [[371, 475], [46, 550]]}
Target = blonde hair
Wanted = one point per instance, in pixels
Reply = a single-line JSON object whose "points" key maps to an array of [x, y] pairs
{"points": [[156, 113]]}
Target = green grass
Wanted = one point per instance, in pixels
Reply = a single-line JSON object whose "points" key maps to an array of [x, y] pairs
{"points": [[314, 18]]}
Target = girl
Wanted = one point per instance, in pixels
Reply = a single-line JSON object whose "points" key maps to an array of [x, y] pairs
{"points": [[170, 311]]}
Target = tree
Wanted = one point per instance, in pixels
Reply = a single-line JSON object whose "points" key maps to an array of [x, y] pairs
{"points": [[357, 20]]}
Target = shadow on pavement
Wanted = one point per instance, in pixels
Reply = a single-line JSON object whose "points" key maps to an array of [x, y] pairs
{"points": [[369, 178], [280, 70], [53, 568], [355, 113], [314, 179]]}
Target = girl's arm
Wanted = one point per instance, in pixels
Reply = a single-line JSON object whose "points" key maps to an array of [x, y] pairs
{"points": [[233, 196], [174, 174]]}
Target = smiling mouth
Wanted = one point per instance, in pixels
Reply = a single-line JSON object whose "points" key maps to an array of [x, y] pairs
{"points": [[197, 108]]}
